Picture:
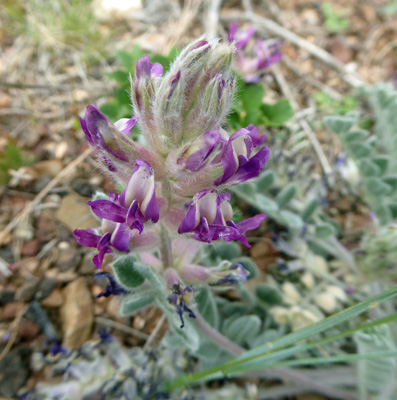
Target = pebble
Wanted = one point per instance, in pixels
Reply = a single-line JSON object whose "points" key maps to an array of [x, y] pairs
{"points": [[31, 248], [45, 288], [68, 258], [87, 267], [27, 291], [6, 297], [28, 330], [14, 369], [10, 310], [30, 264], [77, 313], [83, 187], [54, 300]]}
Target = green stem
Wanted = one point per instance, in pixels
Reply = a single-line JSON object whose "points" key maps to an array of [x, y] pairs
{"points": [[165, 248]]}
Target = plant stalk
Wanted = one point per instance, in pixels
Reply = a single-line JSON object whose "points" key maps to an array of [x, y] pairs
{"points": [[165, 248]]}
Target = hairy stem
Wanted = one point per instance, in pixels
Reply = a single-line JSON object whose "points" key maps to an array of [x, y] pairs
{"points": [[284, 373], [165, 248]]}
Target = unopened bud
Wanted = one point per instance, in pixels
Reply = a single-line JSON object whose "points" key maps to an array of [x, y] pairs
{"points": [[195, 95]]}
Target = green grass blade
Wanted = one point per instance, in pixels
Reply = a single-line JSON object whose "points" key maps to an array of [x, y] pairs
{"points": [[334, 359], [276, 355], [287, 340]]}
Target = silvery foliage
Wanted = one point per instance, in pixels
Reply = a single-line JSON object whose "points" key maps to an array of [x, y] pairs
{"points": [[373, 152]]}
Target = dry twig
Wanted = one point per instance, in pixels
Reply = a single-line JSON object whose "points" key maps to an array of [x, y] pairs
{"points": [[14, 328], [40, 196], [155, 332], [121, 327], [212, 20], [351, 78]]}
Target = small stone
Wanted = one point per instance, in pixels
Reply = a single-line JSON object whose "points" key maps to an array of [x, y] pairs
{"points": [[27, 291], [326, 301], [5, 100], [74, 213], [301, 318], [113, 308], [30, 264], [83, 187], [28, 330], [49, 168], [340, 49], [54, 300], [46, 286], [46, 226], [6, 297], [7, 254], [87, 267], [337, 292], [280, 314], [77, 313], [68, 258], [14, 371], [291, 294], [10, 310], [40, 183], [60, 277], [308, 280], [31, 248]]}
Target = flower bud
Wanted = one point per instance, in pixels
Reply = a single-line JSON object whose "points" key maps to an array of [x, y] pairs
{"points": [[211, 107], [169, 107], [143, 91], [195, 274], [195, 95], [102, 134]]}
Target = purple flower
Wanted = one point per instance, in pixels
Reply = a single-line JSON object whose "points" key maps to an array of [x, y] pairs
{"points": [[240, 38], [144, 72], [101, 133], [113, 288], [125, 125], [209, 217], [239, 164], [265, 56], [136, 204], [180, 297], [197, 154], [115, 237]]}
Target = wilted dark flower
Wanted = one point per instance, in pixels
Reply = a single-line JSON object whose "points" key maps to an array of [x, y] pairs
{"points": [[180, 297], [113, 288]]}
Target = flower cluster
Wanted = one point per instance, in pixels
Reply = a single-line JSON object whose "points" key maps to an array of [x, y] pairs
{"points": [[265, 56], [174, 179], [178, 177]]}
